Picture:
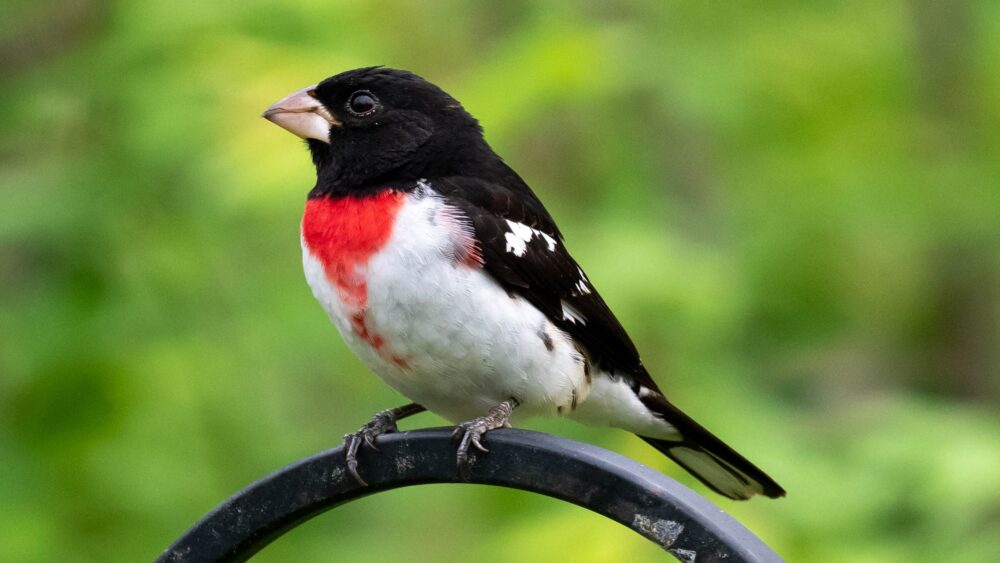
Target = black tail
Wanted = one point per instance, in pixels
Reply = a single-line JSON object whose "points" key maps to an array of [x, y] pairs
{"points": [[708, 458]]}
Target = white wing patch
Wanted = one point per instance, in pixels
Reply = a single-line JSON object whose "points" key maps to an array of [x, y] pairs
{"points": [[571, 314], [520, 235], [582, 286]]}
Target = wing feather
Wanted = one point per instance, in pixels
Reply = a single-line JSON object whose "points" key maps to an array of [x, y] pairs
{"points": [[524, 251]]}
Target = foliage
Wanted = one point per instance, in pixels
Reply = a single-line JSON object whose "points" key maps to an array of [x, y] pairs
{"points": [[793, 207]]}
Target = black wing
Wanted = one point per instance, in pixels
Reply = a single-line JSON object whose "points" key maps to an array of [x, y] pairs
{"points": [[523, 249]]}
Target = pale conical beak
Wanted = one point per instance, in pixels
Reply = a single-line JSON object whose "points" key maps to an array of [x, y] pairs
{"points": [[302, 114]]}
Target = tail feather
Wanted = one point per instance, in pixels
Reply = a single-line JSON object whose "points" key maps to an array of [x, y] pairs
{"points": [[708, 458]]}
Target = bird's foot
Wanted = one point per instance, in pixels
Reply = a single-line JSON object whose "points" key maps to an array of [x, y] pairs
{"points": [[470, 433], [383, 422]]}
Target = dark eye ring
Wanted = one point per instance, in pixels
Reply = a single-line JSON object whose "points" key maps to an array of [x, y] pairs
{"points": [[362, 103]]}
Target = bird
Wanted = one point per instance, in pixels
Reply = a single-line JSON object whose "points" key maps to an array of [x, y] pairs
{"points": [[444, 273]]}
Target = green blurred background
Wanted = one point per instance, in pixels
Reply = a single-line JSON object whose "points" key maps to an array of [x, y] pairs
{"points": [[793, 207]]}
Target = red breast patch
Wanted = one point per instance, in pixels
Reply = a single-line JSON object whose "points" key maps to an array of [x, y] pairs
{"points": [[344, 234]]}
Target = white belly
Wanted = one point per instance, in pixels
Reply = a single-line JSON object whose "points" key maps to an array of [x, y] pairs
{"points": [[444, 333]]}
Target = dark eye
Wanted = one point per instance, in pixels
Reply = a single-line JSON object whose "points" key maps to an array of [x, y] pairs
{"points": [[362, 103]]}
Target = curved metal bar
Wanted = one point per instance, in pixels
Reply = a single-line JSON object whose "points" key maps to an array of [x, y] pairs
{"points": [[654, 505]]}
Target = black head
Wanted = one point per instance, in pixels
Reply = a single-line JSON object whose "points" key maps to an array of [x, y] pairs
{"points": [[378, 126]]}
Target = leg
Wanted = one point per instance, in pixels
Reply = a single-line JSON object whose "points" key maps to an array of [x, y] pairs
{"points": [[383, 422], [470, 433]]}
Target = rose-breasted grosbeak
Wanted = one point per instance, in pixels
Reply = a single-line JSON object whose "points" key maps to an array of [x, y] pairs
{"points": [[445, 274]]}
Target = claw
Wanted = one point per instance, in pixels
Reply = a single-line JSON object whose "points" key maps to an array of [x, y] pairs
{"points": [[352, 468], [479, 446], [351, 444]]}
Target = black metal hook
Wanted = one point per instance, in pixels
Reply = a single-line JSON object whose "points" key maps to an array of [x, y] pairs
{"points": [[654, 505]]}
